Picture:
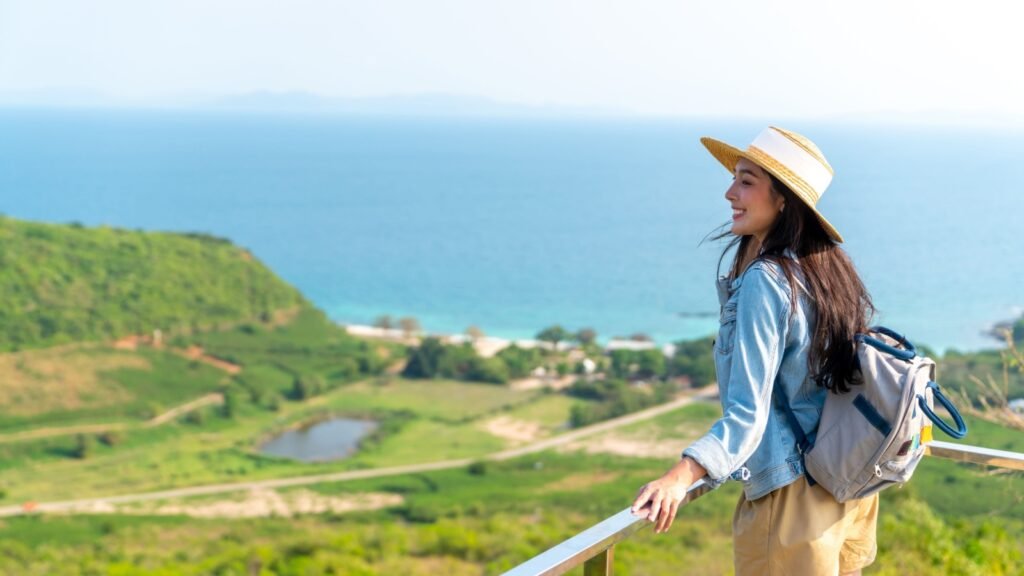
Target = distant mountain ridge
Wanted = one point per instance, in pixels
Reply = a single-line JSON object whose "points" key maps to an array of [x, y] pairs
{"points": [[399, 105], [300, 102], [67, 283]]}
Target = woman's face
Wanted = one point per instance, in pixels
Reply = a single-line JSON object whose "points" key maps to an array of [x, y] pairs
{"points": [[755, 206]]}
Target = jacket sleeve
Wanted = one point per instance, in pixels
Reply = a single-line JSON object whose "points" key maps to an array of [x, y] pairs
{"points": [[762, 320]]}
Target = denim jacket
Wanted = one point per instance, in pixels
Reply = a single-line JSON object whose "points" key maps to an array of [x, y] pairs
{"points": [[761, 352]]}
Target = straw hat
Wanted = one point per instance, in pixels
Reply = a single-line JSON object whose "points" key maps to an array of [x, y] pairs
{"points": [[788, 156]]}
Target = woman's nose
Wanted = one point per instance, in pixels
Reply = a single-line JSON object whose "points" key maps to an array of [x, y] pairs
{"points": [[729, 194]]}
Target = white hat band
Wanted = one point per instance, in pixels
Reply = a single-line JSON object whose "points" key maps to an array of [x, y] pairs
{"points": [[794, 157]]}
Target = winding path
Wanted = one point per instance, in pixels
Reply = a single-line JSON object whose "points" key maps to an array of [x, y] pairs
{"points": [[87, 504], [214, 398]]}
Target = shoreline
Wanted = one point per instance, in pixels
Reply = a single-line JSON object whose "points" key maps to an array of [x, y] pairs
{"points": [[487, 346], [490, 345]]}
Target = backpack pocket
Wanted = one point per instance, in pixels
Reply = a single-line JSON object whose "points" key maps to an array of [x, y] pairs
{"points": [[846, 446]]}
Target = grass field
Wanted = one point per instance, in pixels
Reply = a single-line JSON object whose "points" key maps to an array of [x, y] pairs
{"points": [[428, 425], [97, 384], [950, 519], [445, 400], [550, 411], [487, 521]]}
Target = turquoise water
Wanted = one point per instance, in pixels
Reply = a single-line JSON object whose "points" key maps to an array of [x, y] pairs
{"points": [[513, 225]]}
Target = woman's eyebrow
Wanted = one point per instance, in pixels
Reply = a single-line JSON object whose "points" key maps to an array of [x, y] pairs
{"points": [[745, 171]]}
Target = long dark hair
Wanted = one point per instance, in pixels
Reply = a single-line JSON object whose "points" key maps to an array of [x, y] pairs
{"points": [[842, 303]]}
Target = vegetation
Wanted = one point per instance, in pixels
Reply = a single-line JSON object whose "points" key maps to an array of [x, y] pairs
{"points": [[612, 398], [94, 383], [231, 327], [586, 336], [433, 359], [302, 358], [520, 361], [984, 380], [693, 360], [553, 335], [488, 517], [692, 363], [644, 364], [65, 283]]}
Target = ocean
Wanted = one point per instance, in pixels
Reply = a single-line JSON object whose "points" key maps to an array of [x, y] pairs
{"points": [[513, 225]]}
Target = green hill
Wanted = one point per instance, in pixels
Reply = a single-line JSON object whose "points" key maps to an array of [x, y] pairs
{"points": [[68, 283]]}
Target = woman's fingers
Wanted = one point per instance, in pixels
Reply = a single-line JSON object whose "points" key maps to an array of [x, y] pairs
{"points": [[674, 509], [664, 517], [656, 505], [667, 514], [641, 498]]}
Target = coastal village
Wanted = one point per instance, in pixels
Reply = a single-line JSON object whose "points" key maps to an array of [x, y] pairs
{"points": [[409, 334]]}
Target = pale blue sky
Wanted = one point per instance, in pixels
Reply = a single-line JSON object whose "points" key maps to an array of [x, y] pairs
{"points": [[800, 58]]}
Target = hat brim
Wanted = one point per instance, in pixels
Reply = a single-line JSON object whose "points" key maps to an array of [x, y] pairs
{"points": [[729, 155]]}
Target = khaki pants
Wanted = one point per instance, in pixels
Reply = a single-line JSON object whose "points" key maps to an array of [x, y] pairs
{"points": [[801, 529]]}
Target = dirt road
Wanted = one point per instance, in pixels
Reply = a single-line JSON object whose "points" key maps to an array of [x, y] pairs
{"points": [[214, 398], [90, 503]]}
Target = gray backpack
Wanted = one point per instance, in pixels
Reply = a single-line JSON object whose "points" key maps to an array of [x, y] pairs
{"points": [[874, 435]]}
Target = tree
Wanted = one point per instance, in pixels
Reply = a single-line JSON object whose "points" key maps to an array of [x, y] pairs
{"points": [[84, 444], [493, 370], [695, 360], [109, 438], [230, 406], [383, 322], [425, 359], [623, 363], [474, 333], [650, 363], [274, 403], [307, 386], [409, 325], [520, 360], [553, 335], [197, 417], [586, 336]]}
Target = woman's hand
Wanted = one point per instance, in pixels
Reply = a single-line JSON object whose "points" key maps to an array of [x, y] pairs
{"points": [[659, 500]]}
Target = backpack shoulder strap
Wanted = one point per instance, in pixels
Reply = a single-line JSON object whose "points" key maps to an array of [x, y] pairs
{"points": [[803, 445]]}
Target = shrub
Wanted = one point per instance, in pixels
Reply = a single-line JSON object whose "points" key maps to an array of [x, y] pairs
{"points": [[110, 438], [84, 444]]}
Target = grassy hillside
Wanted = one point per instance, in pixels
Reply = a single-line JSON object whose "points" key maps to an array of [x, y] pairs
{"points": [[235, 329], [67, 283], [487, 519]]}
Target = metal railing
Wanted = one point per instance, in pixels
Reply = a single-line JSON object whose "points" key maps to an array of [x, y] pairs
{"points": [[594, 547]]}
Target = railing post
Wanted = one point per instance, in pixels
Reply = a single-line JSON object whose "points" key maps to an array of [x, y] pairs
{"points": [[600, 565]]}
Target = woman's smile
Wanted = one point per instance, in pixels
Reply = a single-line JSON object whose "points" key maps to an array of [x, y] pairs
{"points": [[755, 205]]}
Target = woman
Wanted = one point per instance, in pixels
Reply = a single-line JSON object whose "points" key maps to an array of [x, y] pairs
{"points": [[791, 306]]}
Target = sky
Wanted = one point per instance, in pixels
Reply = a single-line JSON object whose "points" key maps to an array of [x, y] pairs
{"points": [[652, 57]]}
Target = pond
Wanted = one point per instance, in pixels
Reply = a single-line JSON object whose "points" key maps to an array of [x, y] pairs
{"points": [[332, 439]]}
